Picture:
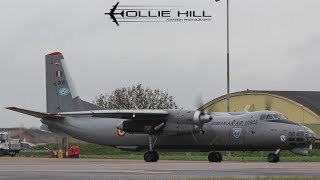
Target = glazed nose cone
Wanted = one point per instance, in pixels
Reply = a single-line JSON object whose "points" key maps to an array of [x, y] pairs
{"points": [[311, 136]]}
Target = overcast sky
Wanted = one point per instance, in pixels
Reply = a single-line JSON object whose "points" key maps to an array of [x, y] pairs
{"points": [[275, 45]]}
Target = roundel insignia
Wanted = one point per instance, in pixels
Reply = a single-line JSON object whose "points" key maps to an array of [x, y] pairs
{"points": [[283, 138], [236, 132], [64, 92], [121, 133]]}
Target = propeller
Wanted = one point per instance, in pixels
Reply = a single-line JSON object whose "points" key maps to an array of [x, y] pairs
{"points": [[199, 101], [200, 117]]}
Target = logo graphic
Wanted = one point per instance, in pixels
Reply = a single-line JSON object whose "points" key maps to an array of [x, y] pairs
{"points": [[154, 13], [121, 133], [283, 138], [64, 92], [112, 13], [236, 132]]}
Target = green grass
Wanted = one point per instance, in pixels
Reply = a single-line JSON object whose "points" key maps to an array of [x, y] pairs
{"points": [[88, 150]]}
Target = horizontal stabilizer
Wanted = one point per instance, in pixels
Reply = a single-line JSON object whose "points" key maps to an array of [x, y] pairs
{"points": [[34, 113]]}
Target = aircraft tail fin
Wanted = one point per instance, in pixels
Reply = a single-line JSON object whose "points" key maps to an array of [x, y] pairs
{"points": [[60, 90]]}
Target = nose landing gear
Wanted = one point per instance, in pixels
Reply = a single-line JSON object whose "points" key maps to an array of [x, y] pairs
{"points": [[151, 156], [215, 157], [274, 157]]}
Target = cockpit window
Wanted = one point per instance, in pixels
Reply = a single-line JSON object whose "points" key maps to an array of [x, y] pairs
{"points": [[263, 117], [273, 116], [269, 116], [276, 116], [283, 116]]}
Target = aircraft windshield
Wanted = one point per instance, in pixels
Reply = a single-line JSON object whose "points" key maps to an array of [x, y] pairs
{"points": [[272, 116]]}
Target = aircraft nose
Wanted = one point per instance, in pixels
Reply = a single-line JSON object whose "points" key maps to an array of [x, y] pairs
{"points": [[311, 136]]}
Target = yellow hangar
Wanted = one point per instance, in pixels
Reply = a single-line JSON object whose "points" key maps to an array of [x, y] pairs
{"points": [[302, 107]]}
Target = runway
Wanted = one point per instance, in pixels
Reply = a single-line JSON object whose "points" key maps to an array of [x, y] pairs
{"points": [[45, 168]]}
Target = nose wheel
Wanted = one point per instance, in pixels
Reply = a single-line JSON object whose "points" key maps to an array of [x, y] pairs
{"points": [[274, 157], [215, 157], [151, 156]]}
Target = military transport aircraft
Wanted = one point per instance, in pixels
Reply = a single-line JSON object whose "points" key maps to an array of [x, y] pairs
{"points": [[164, 130]]}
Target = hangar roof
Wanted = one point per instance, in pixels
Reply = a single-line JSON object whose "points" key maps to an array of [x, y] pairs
{"points": [[309, 99]]}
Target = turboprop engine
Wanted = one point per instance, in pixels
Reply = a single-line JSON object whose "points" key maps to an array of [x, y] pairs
{"points": [[201, 118], [176, 123], [192, 117], [186, 122]]}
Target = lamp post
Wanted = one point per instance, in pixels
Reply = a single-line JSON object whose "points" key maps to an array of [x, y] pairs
{"points": [[228, 67], [228, 58]]}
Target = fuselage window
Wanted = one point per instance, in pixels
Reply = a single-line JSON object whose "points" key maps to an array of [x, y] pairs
{"points": [[292, 133], [300, 133], [300, 139]]}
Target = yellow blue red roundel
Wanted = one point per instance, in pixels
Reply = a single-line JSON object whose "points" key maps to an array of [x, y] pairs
{"points": [[121, 133]]}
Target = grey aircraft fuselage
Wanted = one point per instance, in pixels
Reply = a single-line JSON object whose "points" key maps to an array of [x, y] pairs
{"points": [[217, 135], [163, 130]]}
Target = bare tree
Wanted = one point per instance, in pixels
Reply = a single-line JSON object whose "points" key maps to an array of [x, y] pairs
{"points": [[136, 97]]}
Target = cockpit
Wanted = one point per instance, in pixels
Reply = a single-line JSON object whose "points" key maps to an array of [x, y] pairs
{"points": [[273, 116]]}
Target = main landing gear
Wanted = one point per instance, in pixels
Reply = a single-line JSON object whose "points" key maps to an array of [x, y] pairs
{"points": [[274, 157], [215, 157], [151, 155]]}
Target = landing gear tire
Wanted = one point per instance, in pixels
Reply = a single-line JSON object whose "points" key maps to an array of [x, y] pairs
{"points": [[215, 157], [219, 156], [151, 156], [273, 158]]}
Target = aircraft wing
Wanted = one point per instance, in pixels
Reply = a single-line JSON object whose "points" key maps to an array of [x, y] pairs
{"points": [[134, 121], [35, 113], [118, 114], [114, 19], [123, 114], [114, 8]]}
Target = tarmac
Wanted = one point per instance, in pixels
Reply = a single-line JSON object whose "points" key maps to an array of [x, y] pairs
{"points": [[46, 168]]}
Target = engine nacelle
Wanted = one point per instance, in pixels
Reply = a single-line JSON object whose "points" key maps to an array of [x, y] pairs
{"points": [[192, 117], [186, 122], [201, 118]]}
